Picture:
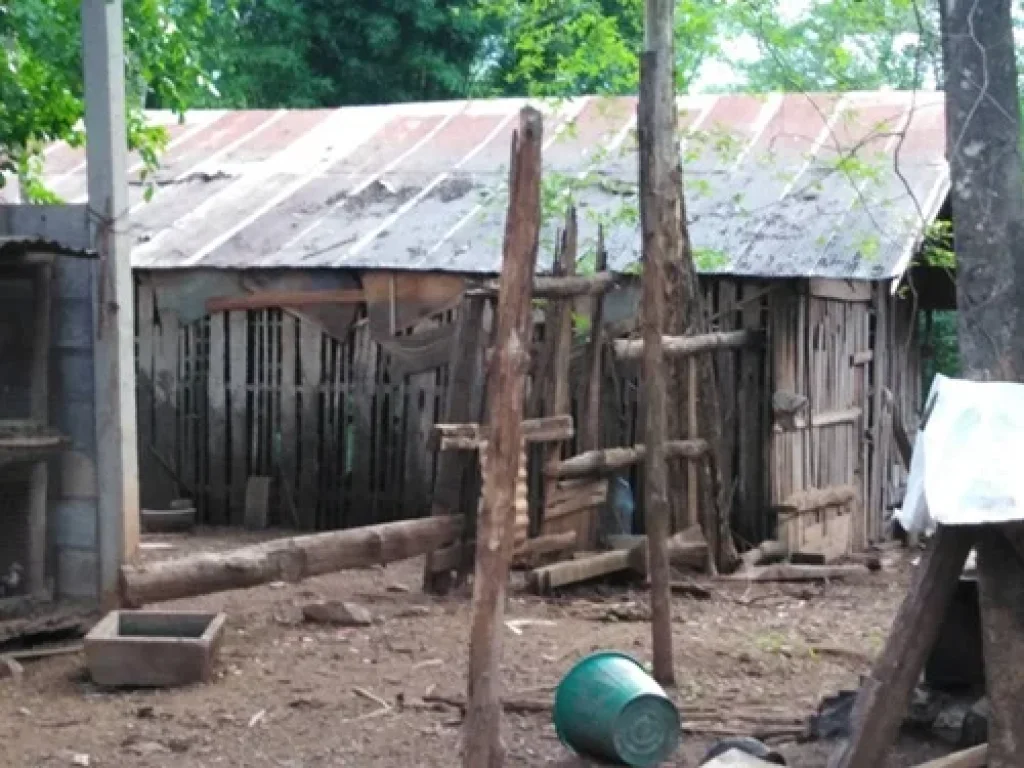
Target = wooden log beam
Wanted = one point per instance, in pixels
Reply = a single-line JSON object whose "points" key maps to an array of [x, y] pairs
{"points": [[541, 581], [506, 388], [466, 437], [884, 696], [608, 460], [785, 572], [814, 499], [824, 419], [685, 346], [291, 559], [765, 553], [272, 299], [532, 551], [680, 550], [567, 287]]}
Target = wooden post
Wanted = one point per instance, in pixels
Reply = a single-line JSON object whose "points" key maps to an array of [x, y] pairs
{"points": [[114, 319], [661, 225], [482, 728], [590, 430], [461, 405], [557, 398], [983, 128]]}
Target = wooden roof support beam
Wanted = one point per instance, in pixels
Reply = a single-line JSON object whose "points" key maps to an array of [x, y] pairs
{"points": [[273, 299], [568, 287], [609, 460], [683, 346]]}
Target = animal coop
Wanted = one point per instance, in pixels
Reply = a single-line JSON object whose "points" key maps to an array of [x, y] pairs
{"points": [[48, 490], [300, 274]]}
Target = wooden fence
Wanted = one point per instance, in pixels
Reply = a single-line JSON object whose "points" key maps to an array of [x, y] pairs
{"points": [[239, 394], [247, 393]]}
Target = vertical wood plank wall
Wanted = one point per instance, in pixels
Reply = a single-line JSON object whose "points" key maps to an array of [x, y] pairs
{"points": [[743, 381], [842, 355], [262, 393], [238, 394]]}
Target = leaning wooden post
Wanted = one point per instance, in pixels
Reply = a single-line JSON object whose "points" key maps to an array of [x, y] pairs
{"points": [[461, 406], [660, 224], [482, 748]]}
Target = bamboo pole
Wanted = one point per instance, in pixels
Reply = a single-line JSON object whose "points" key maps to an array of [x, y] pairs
{"points": [[482, 747]]}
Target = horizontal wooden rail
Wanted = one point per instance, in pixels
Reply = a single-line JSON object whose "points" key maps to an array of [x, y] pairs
{"points": [[272, 299], [609, 460], [814, 499], [567, 287], [826, 419], [468, 437], [683, 346]]}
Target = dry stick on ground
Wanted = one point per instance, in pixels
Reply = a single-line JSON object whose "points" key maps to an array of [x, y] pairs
{"points": [[482, 748]]}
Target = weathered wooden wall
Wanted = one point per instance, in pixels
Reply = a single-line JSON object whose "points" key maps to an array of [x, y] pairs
{"points": [[353, 442], [842, 347], [743, 376], [240, 394]]}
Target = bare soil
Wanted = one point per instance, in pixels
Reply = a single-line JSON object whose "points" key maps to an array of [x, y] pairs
{"points": [[291, 694]]}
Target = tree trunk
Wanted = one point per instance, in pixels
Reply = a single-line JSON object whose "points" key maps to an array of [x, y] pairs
{"points": [[482, 748], [291, 559], [983, 134]]}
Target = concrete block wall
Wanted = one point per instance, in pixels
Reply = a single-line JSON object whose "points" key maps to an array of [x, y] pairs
{"points": [[73, 492]]}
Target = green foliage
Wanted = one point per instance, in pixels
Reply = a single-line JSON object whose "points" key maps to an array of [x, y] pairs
{"points": [[838, 45], [559, 48], [319, 53], [42, 85], [939, 336]]}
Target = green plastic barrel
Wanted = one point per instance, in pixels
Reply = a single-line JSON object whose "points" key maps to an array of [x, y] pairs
{"points": [[608, 707]]}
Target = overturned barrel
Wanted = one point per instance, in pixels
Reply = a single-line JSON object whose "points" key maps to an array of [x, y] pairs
{"points": [[608, 707]]}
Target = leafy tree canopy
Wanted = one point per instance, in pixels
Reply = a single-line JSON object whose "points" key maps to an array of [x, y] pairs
{"points": [[41, 80]]}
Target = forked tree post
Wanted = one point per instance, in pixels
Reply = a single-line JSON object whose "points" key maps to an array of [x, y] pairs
{"points": [[482, 747]]}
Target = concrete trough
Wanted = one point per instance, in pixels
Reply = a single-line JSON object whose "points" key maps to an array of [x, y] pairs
{"points": [[154, 649]]}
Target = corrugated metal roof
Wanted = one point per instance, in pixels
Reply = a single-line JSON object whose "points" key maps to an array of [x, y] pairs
{"points": [[777, 186], [19, 245]]}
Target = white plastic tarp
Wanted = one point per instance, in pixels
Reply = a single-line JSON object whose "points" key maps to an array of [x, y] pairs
{"points": [[966, 466]]}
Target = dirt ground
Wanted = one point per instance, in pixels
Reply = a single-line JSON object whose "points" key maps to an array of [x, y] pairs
{"points": [[291, 694]]}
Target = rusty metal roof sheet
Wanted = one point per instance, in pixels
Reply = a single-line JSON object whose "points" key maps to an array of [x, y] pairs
{"points": [[776, 186]]}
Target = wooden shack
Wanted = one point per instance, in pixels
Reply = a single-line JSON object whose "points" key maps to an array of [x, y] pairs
{"points": [[386, 213]]}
